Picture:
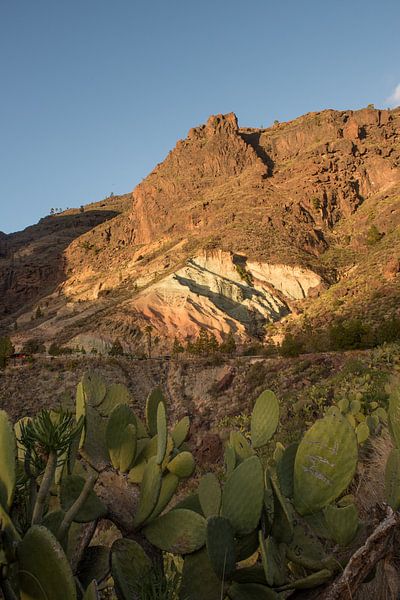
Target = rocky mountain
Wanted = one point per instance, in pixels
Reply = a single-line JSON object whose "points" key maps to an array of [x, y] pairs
{"points": [[236, 229]]}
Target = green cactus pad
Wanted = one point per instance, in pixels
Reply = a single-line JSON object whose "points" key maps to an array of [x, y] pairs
{"points": [[220, 545], [285, 470], [310, 582], [392, 479], [94, 565], [210, 495], [342, 523], [273, 560], [121, 440], [306, 550], [52, 521], [149, 491], [70, 489], [169, 485], [229, 459], [162, 433], [136, 473], [152, 402], [282, 524], [94, 448], [182, 465], [181, 431], [92, 592], [251, 591], [199, 582], [242, 496], [130, 565], [362, 432], [264, 419], [254, 574], [117, 393], [191, 502], [241, 446], [246, 545], [8, 453], [325, 463], [94, 388], [44, 571], [179, 531]]}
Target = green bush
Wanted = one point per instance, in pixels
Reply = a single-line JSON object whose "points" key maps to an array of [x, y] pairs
{"points": [[33, 346], [291, 345]]}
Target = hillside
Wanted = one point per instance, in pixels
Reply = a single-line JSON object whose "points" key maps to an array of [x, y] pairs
{"points": [[236, 229]]}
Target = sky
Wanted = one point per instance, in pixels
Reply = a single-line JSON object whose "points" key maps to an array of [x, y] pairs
{"points": [[95, 93]]}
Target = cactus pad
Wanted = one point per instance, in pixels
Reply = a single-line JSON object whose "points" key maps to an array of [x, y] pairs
{"points": [[243, 495], [251, 591], [179, 531], [149, 491], [342, 523], [181, 431], [44, 571], [169, 485], [221, 546], [129, 566], [8, 451], [273, 560], [392, 479], [162, 433], [325, 463], [285, 470], [199, 582], [121, 439], [94, 565], [152, 402], [182, 465], [264, 419], [240, 445], [92, 592], [210, 495]]}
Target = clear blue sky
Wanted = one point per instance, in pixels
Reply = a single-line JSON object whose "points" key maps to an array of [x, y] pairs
{"points": [[94, 93]]}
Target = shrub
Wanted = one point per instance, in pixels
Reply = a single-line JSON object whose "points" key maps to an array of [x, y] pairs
{"points": [[291, 345], [33, 346], [116, 349], [373, 235], [6, 349], [352, 335]]}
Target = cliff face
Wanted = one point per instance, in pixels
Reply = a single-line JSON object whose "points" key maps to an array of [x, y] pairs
{"points": [[236, 228]]}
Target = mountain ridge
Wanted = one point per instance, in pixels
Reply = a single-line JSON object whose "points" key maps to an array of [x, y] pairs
{"points": [[215, 235]]}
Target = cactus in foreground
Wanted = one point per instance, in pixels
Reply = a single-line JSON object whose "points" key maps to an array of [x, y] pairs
{"points": [[272, 513]]}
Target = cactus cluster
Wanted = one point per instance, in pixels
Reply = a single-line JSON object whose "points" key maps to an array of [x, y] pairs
{"points": [[264, 528]]}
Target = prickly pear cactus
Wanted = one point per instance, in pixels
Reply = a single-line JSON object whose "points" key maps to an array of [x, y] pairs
{"points": [[210, 495], [243, 494], [199, 581], [182, 465], [152, 402], [179, 531], [181, 431], [342, 523], [149, 491], [169, 485], [162, 433], [220, 543], [43, 569], [121, 437], [264, 419], [325, 463], [8, 452], [130, 565]]}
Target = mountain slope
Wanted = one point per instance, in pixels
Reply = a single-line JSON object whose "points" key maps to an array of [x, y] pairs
{"points": [[236, 228]]}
